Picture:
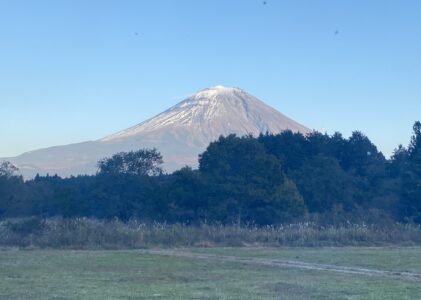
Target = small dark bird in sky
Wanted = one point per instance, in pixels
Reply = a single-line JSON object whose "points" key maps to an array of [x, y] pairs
{"points": [[264, 2], [336, 32], [136, 33]]}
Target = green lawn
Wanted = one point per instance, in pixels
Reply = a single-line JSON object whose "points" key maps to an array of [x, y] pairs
{"points": [[384, 258], [65, 274]]}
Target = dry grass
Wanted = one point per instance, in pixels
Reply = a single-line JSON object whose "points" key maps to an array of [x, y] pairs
{"points": [[83, 233]]}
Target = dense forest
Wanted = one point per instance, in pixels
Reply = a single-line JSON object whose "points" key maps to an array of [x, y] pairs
{"points": [[270, 179]]}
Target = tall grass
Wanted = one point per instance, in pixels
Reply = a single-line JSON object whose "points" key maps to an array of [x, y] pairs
{"points": [[84, 233]]}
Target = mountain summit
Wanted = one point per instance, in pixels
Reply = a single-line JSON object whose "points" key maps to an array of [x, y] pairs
{"points": [[179, 133], [212, 112]]}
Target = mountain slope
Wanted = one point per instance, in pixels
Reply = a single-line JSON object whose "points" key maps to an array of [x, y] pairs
{"points": [[179, 133]]}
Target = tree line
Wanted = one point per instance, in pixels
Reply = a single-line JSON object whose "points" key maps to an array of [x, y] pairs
{"points": [[269, 179]]}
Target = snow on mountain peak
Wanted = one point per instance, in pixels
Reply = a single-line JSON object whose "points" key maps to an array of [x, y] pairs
{"points": [[213, 92], [212, 112]]}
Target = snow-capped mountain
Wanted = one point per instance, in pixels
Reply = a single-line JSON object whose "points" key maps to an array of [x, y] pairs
{"points": [[179, 133]]}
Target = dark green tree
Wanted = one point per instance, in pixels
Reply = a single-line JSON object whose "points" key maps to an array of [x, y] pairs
{"points": [[411, 178], [361, 156], [187, 197], [12, 192], [324, 184], [144, 162], [123, 196], [288, 147], [248, 183]]}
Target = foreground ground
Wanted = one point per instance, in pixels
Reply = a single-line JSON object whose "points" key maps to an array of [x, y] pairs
{"points": [[217, 273]]}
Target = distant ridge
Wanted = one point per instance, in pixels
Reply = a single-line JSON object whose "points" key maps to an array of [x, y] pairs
{"points": [[179, 133]]}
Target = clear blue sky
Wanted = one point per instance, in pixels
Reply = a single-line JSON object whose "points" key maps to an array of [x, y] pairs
{"points": [[72, 71]]}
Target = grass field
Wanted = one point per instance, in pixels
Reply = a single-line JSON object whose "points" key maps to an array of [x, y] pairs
{"points": [[206, 273]]}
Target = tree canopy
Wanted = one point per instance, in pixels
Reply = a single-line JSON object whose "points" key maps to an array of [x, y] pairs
{"points": [[144, 162], [270, 179], [7, 169], [250, 182]]}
